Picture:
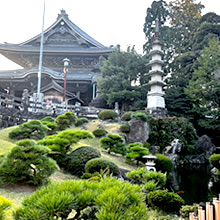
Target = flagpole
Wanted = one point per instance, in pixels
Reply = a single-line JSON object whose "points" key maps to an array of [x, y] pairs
{"points": [[41, 57]]}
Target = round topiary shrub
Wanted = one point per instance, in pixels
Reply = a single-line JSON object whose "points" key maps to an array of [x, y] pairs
{"points": [[141, 116], [126, 116], [99, 132], [125, 128], [71, 117], [215, 160], [62, 122], [48, 119], [81, 121], [167, 201], [77, 159], [52, 126], [163, 163], [95, 165], [107, 114]]}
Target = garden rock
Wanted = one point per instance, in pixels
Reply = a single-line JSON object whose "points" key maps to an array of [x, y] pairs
{"points": [[139, 131], [155, 149], [205, 146]]}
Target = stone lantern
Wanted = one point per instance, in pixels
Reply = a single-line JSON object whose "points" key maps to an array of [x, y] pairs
{"points": [[150, 164]]}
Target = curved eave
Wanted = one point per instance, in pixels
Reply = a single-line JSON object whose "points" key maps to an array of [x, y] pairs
{"points": [[73, 27], [157, 82], [67, 50], [156, 93], [152, 72], [152, 62], [153, 52]]}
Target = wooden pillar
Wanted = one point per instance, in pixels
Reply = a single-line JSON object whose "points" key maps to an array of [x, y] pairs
{"points": [[191, 216], [203, 215], [200, 213], [217, 212], [207, 210], [211, 212]]}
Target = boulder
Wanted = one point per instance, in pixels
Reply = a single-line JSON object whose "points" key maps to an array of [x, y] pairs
{"points": [[205, 146], [155, 149], [139, 131]]}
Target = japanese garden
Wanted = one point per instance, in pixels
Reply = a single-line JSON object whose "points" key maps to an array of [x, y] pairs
{"points": [[113, 134]]}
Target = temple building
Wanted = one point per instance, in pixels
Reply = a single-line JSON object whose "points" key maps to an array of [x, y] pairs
{"points": [[63, 39]]}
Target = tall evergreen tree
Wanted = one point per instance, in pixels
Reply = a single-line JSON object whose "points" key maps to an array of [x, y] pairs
{"points": [[124, 79]]}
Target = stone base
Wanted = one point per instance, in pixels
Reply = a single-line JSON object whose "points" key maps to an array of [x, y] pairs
{"points": [[157, 112]]}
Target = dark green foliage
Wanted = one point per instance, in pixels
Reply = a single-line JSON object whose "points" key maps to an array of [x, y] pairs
{"points": [[163, 163], [187, 209], [107, 114], [98, 164], [140, 116], [62, 122], [215, 160], [165, 130], [126, 116], [137, 175], [32, 129], [120, 71], [48, 119], [81, 121], [77, 159], [158, 177], [136, 151], [27, 162], [125, 128], [99, 132], [71, 117], [52, 126], [114, 143], [167, 201], [107, 199]]}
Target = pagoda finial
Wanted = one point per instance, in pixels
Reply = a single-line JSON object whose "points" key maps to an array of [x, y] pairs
{"points": [[157, 26], [62, 14]]}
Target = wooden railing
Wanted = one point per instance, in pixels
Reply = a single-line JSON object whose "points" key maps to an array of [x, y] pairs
{"points": [[211, 212]]}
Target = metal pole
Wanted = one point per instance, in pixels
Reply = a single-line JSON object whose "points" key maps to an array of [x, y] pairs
{"points": [[41, 57], [65, 77]]}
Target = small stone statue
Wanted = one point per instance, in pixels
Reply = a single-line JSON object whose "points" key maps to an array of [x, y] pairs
{"points": [[25, 100], [117, 108]]}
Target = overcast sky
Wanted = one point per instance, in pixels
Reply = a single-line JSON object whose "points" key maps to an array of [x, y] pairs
{"points": [[110, 22]]}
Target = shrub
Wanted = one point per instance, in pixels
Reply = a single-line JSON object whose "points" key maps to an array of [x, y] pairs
{"points": [[98, 164], [108, 199], [32, 129], [62, 122], [141, 116], [107, 114], [167, 201], [52, 127], [73, 136], [163, 163], [77, 159], [215, 160], [158, 177], [186, 209], [136, 151], [81, 121], [126, 116], [27, 163], [114, 143], [4, 205], [48, 119], [99, 132], [137, 175], [71, 117], [150, 186], [125, 128]]}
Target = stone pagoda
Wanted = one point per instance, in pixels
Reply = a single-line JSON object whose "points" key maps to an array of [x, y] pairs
{"points": [[155, 97], [63, 39]]}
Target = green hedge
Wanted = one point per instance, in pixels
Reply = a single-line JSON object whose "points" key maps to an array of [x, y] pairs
{"points": [[95, 165], [77, 159], [126, 116], [81, 121], [99, 132], [167, 201], [163, 163], [107, 114], [125, 128]]}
